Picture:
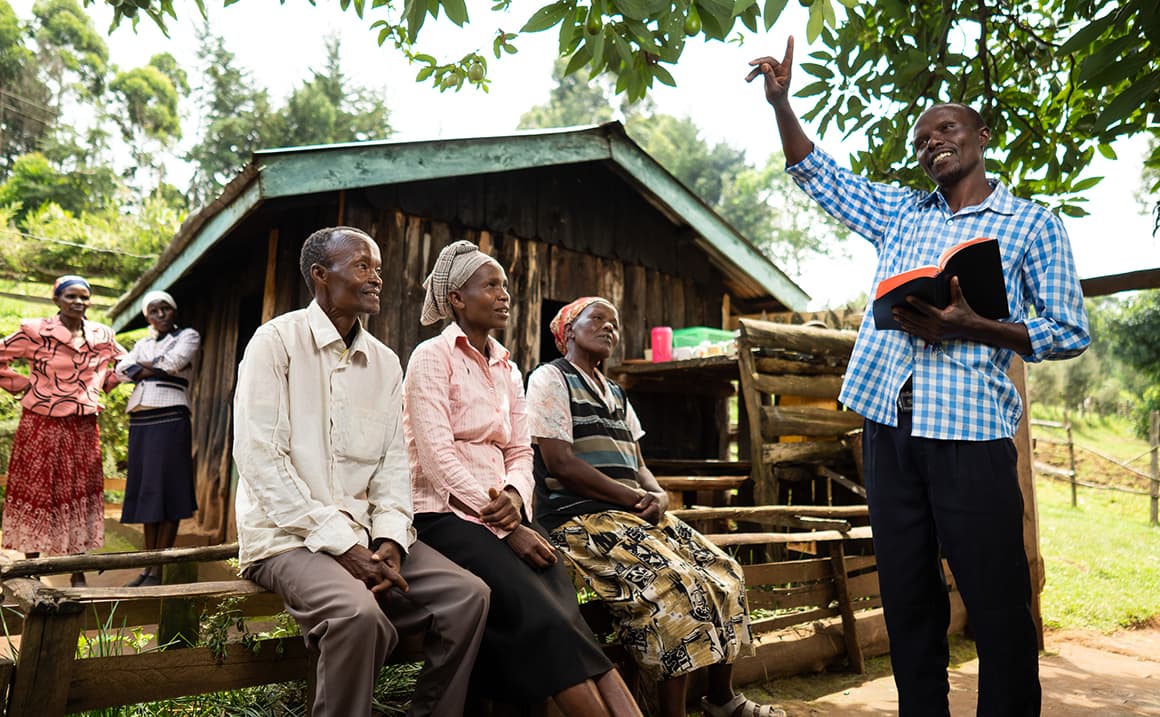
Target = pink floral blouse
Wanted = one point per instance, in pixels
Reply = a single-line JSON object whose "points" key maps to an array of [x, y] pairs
{"points": [[65, 378]]}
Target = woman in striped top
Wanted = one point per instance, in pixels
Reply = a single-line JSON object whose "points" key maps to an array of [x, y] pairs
{"points": [[679, 600]]}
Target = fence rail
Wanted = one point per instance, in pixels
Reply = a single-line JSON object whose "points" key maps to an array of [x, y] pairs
{"points": [[1070, 475]]}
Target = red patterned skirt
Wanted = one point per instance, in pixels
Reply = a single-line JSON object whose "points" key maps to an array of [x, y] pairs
{"points": [[55, 499]]}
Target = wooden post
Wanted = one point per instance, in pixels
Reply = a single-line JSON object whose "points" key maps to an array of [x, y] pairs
{"points": [[48, 646], [178, 624], [1070, 456], [270, 290], [849, 624], [1018, 375], [1154, 441]]}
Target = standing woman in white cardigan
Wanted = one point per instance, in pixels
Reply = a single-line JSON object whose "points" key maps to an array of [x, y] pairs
{"points": [[159, 489]]}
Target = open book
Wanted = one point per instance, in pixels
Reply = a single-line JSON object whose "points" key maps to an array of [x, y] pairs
{"points": [[978, 265]]}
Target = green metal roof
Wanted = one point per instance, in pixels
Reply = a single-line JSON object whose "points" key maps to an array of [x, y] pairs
{"points": [[296, 171]]}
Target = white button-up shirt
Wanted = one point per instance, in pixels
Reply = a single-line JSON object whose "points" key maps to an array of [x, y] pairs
{"points": [[318, 441]]}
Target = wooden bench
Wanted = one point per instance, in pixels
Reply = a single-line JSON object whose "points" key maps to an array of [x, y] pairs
{"points": [[822, 610]]}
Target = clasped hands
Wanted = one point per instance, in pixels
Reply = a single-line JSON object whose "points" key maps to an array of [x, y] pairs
{"points": [[379, 569], [651, 506]]}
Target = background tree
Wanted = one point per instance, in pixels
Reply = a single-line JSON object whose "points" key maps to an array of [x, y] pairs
{"points": [[327, 108], [145, 108], [235, 116], [760, 202], [1057, 79], [25, 112]]}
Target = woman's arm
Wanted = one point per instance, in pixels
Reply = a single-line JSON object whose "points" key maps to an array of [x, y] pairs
{"points": [[427, 405], [19, 345]]}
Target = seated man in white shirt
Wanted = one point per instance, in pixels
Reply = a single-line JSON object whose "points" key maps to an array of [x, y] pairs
{"points": [[324, 496]]}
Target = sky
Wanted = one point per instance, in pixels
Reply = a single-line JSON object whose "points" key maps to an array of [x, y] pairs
{"points": [[279, 44]]}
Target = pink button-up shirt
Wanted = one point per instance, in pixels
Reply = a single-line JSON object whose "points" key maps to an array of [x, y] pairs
{"points": [[466, 425], [65, 378]]}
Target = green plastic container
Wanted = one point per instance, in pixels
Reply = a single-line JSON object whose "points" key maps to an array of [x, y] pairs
{"points": [[697, 335]]}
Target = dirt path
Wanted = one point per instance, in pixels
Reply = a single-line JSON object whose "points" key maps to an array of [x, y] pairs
{"points": [[1082, 673]]}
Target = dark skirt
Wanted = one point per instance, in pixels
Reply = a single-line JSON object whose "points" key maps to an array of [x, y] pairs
{"points": [[159, 484], [536, 643], [54, 503]]}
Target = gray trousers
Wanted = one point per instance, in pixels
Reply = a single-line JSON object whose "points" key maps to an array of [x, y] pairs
{"points": [[351, 632]]}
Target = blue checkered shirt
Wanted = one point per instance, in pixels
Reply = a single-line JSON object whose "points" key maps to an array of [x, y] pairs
{"points": [[961, 389]]}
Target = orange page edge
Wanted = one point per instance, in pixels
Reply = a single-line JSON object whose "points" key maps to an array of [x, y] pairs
{"points": [[891, 283]]}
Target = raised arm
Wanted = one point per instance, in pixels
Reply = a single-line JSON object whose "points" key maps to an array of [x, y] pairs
{"points": [[794, 142]]}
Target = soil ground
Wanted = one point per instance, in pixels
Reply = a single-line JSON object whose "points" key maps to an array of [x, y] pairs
{"points": [[1083, 672]]}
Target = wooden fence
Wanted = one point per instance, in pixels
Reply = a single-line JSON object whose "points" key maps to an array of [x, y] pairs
{"points": [[1071, 475], [816, 612]]}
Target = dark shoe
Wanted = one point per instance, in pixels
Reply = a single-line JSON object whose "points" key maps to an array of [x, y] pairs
{"points": [[150, 579], [77, 580]]}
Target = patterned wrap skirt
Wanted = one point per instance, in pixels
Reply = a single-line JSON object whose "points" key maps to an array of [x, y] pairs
{"points": [[678, 599], [159, 481], [55, 503]]}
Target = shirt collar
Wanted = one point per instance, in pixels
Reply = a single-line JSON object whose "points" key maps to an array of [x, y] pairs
{"points": [[55, 328], [325, 333], [454, 336], [999, 200]]}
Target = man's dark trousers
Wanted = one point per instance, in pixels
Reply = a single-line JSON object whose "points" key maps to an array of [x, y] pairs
{"points": [[962, 497]]}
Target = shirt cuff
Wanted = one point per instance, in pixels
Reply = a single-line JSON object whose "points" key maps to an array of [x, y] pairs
{"points": [[334, 537], [525, 490], [393, 527], [1041, 338]]}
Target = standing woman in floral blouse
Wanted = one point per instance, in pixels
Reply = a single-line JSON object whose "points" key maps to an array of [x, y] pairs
{"points": [[54, 502], [159, 487]]}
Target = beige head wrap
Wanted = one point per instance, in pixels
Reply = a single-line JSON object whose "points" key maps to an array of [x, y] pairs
{"points": [[455, 265], [156, 296]]}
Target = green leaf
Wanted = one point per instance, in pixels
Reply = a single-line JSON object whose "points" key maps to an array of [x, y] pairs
{"points": [[740, 6], [663, 75], [546, 17], [815, 23], [569, 30], [849, 3], [817, 70], [456, 11], [815, 88], [1086, 184], [424, 74], [581, 58], [1086, 36], [772, 11], [1106, 150], [1072, 210], [415, 12], [1130, 100], [719, 12], [828, 15], [596, 42]]}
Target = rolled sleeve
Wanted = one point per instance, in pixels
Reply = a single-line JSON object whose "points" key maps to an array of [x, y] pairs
{"points": [[262, 452]]}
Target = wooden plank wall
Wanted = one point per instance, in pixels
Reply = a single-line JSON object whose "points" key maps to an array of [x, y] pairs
{"points": [[559, 235]]}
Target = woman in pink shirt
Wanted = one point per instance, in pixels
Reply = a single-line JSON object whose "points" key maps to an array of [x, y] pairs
{"points": [[54, 501], [471, 469]]}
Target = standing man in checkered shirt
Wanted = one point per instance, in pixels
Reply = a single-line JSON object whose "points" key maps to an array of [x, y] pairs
{"points": [[940, 412]]}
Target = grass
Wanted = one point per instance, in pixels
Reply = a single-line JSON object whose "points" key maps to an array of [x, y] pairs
{"points": [[1102, 558]]}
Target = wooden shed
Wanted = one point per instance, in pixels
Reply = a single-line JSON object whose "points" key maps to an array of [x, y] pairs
{"points": [[567, 212]]}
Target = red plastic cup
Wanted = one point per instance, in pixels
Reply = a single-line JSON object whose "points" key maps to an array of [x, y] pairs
{"points": [[662, 344]]}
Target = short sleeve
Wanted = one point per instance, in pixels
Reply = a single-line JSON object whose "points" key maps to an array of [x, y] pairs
{"points": [[633, 422], [549, 405]]}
